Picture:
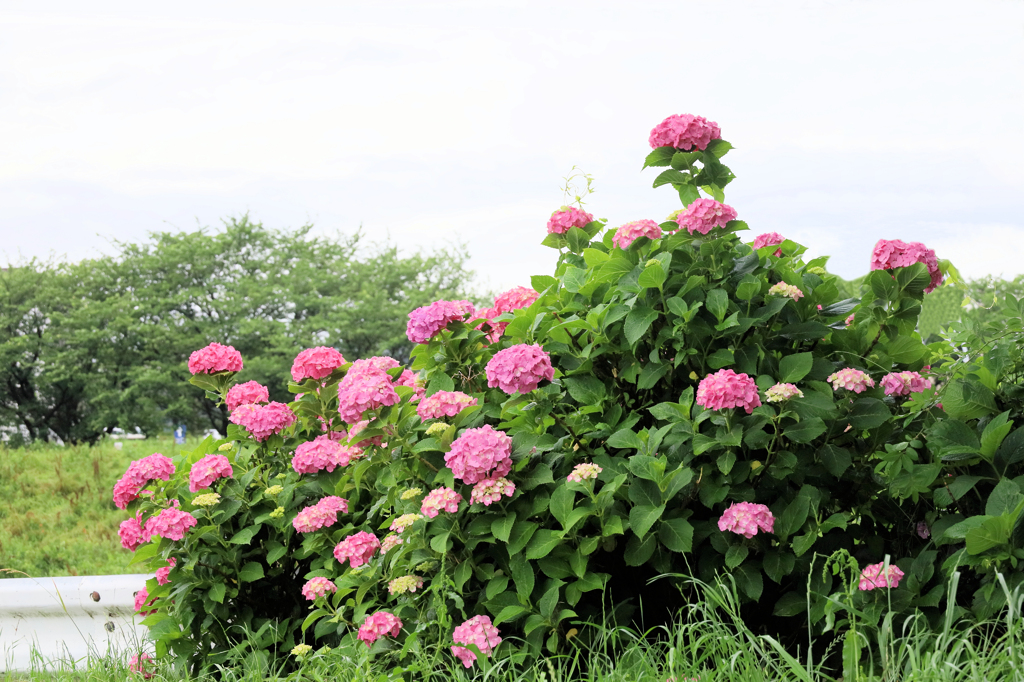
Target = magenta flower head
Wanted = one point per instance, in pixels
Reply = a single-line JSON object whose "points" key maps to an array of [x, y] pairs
{"points": [[207, 470], [141, 664], [320, 515], [630, 232], [480, 453], [318, 587], [438, 500], [875, 575], [745, 518], [142, 600], [703, 215], [514, 299], [139, 473], [769, 239], [519, 368], [893, 253], [366, 386], [323, 452], [851, 379], [249, 393], [905, 383], [131, 533], [444, 404], [263, 421], [378, 625], [316, 363], [163, 574], [566, 218], [426, 321], [357, 549], [684, 131], [171, 523], [215, 358], [478, 631], [725, 388]]}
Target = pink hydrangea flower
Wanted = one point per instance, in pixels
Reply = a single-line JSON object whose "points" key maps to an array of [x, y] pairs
{"points": [[745, 518], [787, 290], [515, 299], [480, 453], [781, 392], [249, 393], [440, 499], [263, 421], [875, 575], [478, 631], [404, 521], [490, 490], [390, 542], [140, 472], [584, 472], [725, 388], [163, 574], [316, 363], [367, 386], [684, 131], [893, 253], [769, 239], [378, 625], [207, 470], [852, 380], [320, 515], [413, 381], [323, 452], [444, 404], [215, 358], [361, 442], [357, 549], [849, 320], [519, 368], [566, 218], [142, 600], [426, 321], [171, 523], [142, 664], [630, 232], [131, 533], [318, 587], [905, 383], [703, 215]]}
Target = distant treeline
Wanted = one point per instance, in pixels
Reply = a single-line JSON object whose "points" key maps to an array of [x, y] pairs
{"points": [[86, 347]]}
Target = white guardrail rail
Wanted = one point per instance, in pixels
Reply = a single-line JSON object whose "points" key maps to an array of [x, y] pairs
{"points": [[60, 620]]}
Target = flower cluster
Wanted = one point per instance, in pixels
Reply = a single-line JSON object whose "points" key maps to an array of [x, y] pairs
{"points": [[788, 290], [478, 631], [322, 453], [480, 453], [206, 500], [411, 492], [142, 600], [893, 253], [781, 392], [131, 533], [875, 575], [769, 239], [519, 368], [684, 131], [207, 470], [513, 299], [318, 587], [413, 381], [367, 386], [566, 218], [263, 421], [215, 358], [171, 523], [851, 379], [316, 363], [390, 542], [378, 625], [139, 473], [703, 215], [630, 232], [489, 491], [163, 574], [141, 664], [405, 583], [404, 521], [444, 404], [905, 383], [357, 549], [745, 518], [320, 515], [584, 472], [440, 499], [725, 388], [426, 321], [249, 393]]}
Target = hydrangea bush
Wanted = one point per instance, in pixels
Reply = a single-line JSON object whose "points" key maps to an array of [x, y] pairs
{"points": [[676, 398]]}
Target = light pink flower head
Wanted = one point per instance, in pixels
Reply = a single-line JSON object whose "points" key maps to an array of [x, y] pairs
{"points": [[780, 392], [320, 515], [142, 664], [207, 470], [480, 453], [249, 393], [263, 421], [893, 253], [478, 631], [684, 131], [566, 218], [584, 472], [390, 542], [139, 473], [318, 587], [316, 363], [875, 575], [514, 299], [725, 388], [414, 381], [851, 379], [215, 358], [444, 404], [171, 523], [905, 383], [366, 386], [769, 239], [357, 549], [703, 215], [787, 290], [142, 600], [519, 368], [630, 232], [440, 499], [490, 490], [131, 533], [323, 452], [745, 518], [425, 322], [378, 625], [163, 574]]}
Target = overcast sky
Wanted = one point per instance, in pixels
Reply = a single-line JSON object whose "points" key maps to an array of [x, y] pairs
{"points": [[431, 123]]}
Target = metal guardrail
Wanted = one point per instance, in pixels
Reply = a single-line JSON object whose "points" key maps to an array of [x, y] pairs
{"points": [[67, 619]]}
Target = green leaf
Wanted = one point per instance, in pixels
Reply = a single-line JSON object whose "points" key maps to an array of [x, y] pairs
{"points": [[625, 439], [905, 350], [805, 331], [244, 536], [216, 593], [578, 239], [882, 284], [677, 535], [522, 575], [718, 147], [968, 399], [687, 194], [835, 459], [1003, 499], [586, 389], [642, 517], [791, 604], [994, 433], [510, 612], [717, 303], [574, 278], [501, 527], [661, 156], [555, 241], [725, 462], [542, 282], [639, 551], [805, 431], [735, 556], [562, 503], [652, 277], [992, 532], [539, 475], [804, 542], [275, 550], [793, 368], [674, 177], [748, 288], [251, 572], [521, 533], [723, 357], [542, 543], [638, 321], [868, 413]]}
